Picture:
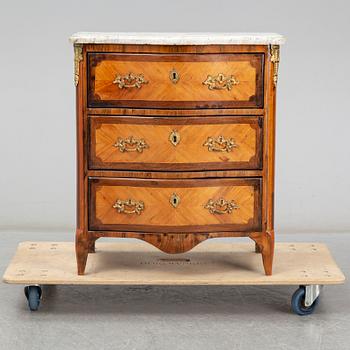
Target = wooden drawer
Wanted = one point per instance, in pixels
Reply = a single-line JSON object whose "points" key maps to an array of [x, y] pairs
{"points": [[201, 205], [137, 143], [175, 81]]}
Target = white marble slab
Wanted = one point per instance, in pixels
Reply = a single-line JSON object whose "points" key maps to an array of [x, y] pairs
{"points": [[178, 38]]}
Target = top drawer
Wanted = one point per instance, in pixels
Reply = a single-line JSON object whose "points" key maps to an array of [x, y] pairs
{"points": [[175, 81]]}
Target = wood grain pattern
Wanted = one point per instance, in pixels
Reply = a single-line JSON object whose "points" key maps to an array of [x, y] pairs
{"points": [[82, 238], [189, 216], [189, 154], [189, 91]]}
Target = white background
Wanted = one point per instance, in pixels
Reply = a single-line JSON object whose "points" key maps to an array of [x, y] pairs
{"points": [[37, 142]]}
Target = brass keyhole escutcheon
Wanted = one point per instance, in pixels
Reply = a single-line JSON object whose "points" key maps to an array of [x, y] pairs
{"points": [[174, 76], [174, 138], [174, 200]]}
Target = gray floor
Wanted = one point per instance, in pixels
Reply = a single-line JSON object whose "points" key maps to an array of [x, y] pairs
{"points": [[173, 317]]}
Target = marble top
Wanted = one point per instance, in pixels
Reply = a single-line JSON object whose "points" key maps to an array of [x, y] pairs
{"points": [[177, 38]]}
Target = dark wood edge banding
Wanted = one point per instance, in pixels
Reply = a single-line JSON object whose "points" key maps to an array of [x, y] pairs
{"points": [[174, 174], [175, 112]]}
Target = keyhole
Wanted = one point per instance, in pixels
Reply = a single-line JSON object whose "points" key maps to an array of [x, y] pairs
{"points": [[174, 138], [174, 200], [174, 76]]}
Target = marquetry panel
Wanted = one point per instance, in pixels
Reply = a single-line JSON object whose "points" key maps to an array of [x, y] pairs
{"points": [[154, 209], [175, 143], [175, 80]]}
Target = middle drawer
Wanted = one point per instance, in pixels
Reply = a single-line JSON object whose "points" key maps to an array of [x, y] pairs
{"points": [[191, 143]]}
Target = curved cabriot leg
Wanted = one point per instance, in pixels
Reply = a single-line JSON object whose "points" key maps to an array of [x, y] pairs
{"points": [[81, 250], [265, 242]]}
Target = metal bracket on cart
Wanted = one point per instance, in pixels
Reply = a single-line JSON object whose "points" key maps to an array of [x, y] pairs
{"points": [[311, 293]]}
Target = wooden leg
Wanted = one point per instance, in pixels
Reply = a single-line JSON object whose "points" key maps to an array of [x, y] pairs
{"points": [[92, 244], [266, 244], [81, 250]]}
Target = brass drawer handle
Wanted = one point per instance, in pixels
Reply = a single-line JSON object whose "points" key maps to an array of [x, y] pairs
{"points": [[129, 206], [221, 206], [220, 82], [130, 80], [220, 144], [131, 144]]}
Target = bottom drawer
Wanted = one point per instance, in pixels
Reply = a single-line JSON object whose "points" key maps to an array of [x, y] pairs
{"points": [[201, 205]]}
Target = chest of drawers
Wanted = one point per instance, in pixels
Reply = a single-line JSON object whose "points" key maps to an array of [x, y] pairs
{"points": [[175, 139]]}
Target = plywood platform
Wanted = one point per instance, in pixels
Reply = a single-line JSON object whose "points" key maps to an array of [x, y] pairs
{"points": [[139, 263]]}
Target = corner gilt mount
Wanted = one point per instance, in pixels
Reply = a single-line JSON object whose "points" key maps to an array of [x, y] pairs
{"points": [[78, 56], [275, 59]]}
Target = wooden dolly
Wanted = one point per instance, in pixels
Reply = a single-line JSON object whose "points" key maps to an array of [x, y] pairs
{"points": [[308, 265]]}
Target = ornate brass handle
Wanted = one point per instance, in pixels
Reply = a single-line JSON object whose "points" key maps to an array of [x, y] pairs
{"points": [[131, 144], [129, 206], [220, 82], [220, 144], [130, 80], [221, 206]]}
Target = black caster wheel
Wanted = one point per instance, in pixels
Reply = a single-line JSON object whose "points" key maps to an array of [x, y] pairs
{"points": [[33, 295], [298, 303]]}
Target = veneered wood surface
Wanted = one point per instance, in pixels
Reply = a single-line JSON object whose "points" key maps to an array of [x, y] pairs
{"points": [[189, 216], [189, 154], [171, 243], [137, 263], [81, 236], [189, 91]]}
